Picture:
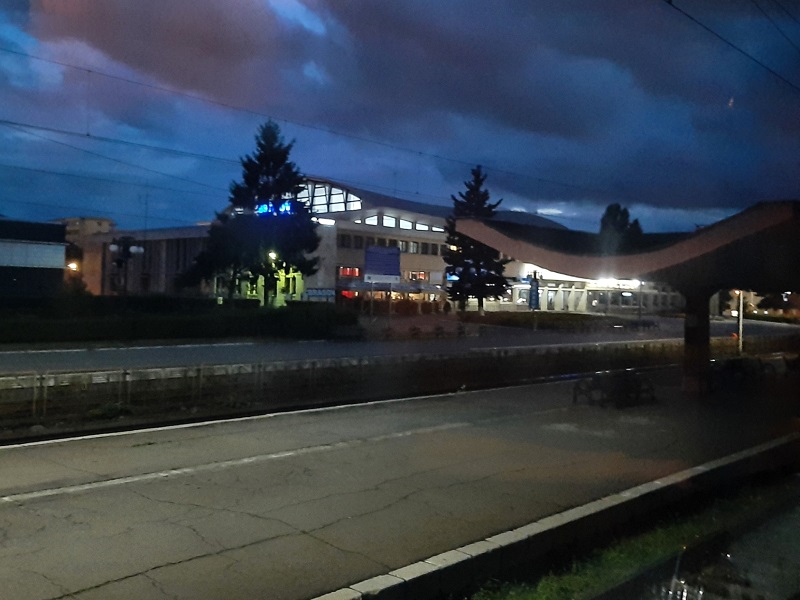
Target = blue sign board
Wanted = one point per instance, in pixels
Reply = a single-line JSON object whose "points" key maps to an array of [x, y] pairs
{"points": [[533, 295], [382, 264]]}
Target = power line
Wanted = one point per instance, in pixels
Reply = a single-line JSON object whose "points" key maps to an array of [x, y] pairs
{"points": [[786, 10], [100, 138], [116, 160], [72, 209], [775, 25], [105, 180], [732, 45], [326, 130]]}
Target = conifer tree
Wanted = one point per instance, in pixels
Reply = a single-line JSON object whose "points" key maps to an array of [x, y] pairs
{"points": [[475, 270], [617, 232], [265, 228]]}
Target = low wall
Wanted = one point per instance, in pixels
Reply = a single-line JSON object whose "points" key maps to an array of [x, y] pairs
{"points": [[181, 393]]}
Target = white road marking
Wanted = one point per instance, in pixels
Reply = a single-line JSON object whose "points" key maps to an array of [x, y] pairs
{"points": [[220, 465], [321, 409], [124, 348]]}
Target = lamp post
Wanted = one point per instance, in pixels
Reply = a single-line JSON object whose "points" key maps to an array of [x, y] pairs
{"points": [[740, 320], [125, 248]]}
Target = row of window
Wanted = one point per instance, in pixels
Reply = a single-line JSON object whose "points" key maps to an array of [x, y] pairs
{"points": [[387, 221], [359, 242], [409, 275]]}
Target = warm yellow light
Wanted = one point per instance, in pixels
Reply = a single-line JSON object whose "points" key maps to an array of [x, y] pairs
{"points": [[73, 266]]}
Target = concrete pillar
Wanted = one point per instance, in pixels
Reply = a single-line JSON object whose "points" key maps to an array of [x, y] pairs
{"points": [[697, 344]]}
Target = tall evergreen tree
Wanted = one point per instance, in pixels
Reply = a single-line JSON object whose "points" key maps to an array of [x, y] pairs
{"points": [[476, 270], [265, 228], [617, 232]]}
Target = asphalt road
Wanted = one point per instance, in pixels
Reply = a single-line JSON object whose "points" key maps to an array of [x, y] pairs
{"points": [[290, 506], [93, 357]]}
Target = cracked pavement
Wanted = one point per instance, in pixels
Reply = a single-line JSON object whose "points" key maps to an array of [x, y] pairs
{"points": [[293, 505]]}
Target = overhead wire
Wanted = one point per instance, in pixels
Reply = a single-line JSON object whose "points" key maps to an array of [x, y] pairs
{"points": [[116, 160], [786, 11], [776, 26], [317, 128], [730, 44]]}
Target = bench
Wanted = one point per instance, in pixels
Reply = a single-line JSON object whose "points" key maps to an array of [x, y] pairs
{"points": [[620, 388]]}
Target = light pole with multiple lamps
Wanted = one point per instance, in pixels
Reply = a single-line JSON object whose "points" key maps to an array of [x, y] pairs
{"points": [[125, 248]]}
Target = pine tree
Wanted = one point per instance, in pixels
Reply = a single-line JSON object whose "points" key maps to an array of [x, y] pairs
{"points": [[617, 232], [476, 270], [265, 228]]}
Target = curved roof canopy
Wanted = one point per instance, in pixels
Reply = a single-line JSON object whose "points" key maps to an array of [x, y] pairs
{"points": [[758, 248]]}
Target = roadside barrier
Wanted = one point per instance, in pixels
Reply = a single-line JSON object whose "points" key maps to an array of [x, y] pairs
{"points": [[180, 393]]}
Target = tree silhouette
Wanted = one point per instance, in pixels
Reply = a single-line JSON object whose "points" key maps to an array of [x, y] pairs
{"points": [[474, 269], [617, 232], [265, 229]]}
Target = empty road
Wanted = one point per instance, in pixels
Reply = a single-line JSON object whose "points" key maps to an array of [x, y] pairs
{"points": [[98, 357]]}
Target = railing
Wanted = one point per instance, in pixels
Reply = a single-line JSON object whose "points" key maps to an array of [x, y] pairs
{"points": [[181, 393]]}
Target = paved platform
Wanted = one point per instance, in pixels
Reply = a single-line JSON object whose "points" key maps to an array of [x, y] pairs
{"points": [[296, 505]]}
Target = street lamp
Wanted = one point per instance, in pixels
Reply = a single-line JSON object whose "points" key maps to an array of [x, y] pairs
{"points": [[125, 248], [740, 320]]}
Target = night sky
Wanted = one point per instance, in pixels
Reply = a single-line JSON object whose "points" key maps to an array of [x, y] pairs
{"points": [[139, 110]]}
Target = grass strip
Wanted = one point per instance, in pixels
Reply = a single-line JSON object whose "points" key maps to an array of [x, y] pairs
{"points": [[625, 558]]}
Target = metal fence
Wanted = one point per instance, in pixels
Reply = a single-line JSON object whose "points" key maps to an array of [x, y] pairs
{"points": [[179, 393]]}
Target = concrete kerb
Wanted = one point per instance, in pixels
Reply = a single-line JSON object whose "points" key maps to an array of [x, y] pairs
{"points": [[467, 566]]}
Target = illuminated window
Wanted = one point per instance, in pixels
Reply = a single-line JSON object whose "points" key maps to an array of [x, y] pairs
{"points": [[389, 221], [421, 227], [371, 220], [413, 247], [320, 196], [403, 245], [353, 202], [337, 200], [303, 196], [417, 276], [349, 272], [405, 224], [437, 229]]}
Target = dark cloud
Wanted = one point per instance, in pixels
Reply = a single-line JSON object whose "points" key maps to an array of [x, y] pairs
{"points": [[561, 100]]}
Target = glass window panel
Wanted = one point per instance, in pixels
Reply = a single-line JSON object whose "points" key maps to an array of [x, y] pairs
{"points": [[323, 208], [353, 205], [422, 227], [405, 224], [437, 229], [371, 220], [413, 247], [337, 207], [389, 221], [337, 196], [403, 245]]}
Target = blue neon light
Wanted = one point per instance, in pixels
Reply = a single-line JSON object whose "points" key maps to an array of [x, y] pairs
{"points": [[284, 208]]}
